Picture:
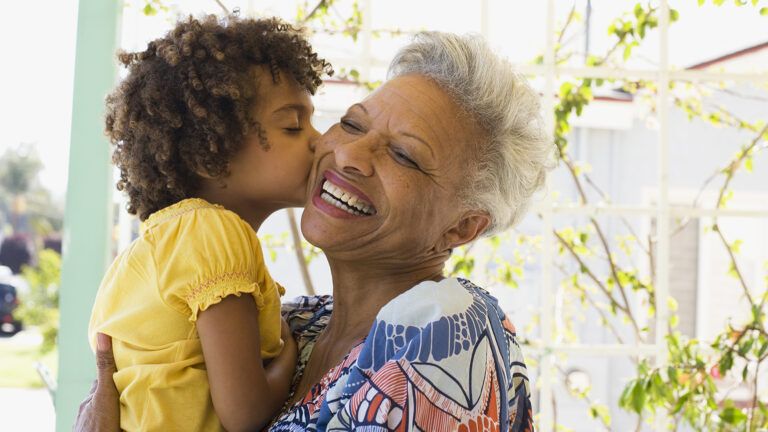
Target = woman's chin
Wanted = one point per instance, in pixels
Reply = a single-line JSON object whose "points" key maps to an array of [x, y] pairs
{"points": [[332, 232]]}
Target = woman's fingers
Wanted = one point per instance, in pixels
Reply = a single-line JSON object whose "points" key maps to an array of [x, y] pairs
{"points": [[100, 411], [87, 400], [105, 361], [105, 364]]}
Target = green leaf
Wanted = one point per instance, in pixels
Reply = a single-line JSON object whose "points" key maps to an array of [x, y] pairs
{"points": [[583, 237], [726, 363], [674, 15], [701, 2], [149, 10], [674, 320], [732, 415], [745, 346], [627, 52], [637, 397], [672, 304], [638, 10], [600, 411], [764, 11], [680, 402]]}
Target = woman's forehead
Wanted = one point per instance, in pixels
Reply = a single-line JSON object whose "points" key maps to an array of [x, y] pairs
{"points": [[415, 104]]}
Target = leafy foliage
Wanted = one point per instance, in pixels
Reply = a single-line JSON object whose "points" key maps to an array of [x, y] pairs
{"points": [[40, 306]]}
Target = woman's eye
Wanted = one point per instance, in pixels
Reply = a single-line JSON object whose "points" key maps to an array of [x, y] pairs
{"points": [[404, 159], [350, 127], [293, 129]]}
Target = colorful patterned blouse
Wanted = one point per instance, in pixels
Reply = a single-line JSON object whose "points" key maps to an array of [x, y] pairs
{"points": [[440, 357]]}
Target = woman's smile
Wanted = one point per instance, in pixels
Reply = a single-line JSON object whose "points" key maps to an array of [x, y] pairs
{"points": [[337, 198]]}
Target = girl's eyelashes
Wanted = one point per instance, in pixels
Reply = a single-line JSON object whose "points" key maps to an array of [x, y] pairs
{"points": [[293, 129]]}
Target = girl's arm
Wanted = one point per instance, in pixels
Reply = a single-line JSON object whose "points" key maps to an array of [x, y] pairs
{"points": [[244, 395], [280, 369]]}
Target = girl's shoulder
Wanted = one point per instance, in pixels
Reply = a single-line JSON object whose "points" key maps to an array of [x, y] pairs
{"points": [[201, 229], [189, 211], [198, 246]]}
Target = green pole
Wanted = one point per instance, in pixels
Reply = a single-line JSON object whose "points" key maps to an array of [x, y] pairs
{"points": [[87, 217]]}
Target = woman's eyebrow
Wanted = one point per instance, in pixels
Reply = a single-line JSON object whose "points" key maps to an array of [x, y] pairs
{"points": [[358, 105], [418, 138]]}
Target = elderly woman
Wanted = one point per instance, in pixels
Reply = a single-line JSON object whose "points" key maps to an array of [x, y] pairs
{"points": [[450, 148]]}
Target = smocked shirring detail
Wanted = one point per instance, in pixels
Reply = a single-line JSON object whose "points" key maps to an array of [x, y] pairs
{"points": [[182, 207], [214, 290]]}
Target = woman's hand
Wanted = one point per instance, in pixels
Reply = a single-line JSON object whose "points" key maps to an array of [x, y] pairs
{"points": [[100, 411]]}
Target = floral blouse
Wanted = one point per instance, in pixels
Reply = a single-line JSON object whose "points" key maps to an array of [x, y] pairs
{"points": [[440, 357]]}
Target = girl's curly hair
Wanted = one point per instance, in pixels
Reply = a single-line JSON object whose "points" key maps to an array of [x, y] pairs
{"points": [[185, 106]]}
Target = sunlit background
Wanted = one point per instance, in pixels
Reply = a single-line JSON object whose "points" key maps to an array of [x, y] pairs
{"points": [[652, 233]]}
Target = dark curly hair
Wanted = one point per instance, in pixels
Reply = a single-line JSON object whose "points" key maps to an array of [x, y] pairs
{"points": [[185, 106]]}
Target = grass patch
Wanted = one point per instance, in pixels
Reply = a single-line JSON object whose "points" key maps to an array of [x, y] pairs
{"points": [[17, 364]]}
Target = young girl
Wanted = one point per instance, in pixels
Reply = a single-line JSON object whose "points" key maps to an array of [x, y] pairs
{"points": [[212, 134]]}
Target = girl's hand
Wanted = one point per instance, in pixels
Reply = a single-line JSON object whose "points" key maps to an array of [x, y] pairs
{"points": [[289, 343], [280, 369]]}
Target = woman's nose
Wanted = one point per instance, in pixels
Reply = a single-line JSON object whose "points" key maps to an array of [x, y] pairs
{"points": [[356, 156]]}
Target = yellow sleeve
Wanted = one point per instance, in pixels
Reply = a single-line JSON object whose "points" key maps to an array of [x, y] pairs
{"points": [[205, 255]]}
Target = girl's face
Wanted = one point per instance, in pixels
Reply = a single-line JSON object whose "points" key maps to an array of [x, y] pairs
{"points": [[266, 178]]}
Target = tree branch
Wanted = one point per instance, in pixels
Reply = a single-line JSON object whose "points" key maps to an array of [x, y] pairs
{"points": [[223, 7], [592, 303], [597, 281], [320, 5], [299, 250]]}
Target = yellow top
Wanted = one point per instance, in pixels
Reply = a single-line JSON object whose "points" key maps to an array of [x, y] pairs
{"points": [[188, 257]]}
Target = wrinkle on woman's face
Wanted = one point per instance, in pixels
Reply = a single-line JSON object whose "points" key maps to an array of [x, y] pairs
{"points": [[407, 148]]}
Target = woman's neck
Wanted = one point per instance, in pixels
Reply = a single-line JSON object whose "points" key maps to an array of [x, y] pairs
{"points": [[361, 290]]}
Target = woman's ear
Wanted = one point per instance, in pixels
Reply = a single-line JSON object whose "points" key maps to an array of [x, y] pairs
{"points": [[470, 226]]}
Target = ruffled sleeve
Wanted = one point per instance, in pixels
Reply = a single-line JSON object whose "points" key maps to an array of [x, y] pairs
{"points": [[204, 255]]}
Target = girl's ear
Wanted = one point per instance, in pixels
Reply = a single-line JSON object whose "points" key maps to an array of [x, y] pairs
{"points": [[470, 226], [203, 173]]}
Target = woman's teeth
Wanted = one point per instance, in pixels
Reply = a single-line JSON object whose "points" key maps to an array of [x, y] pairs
{"points": [[345, 200]]}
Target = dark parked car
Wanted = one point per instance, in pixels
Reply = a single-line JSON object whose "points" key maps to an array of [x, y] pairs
{"points": [[8, 302]]}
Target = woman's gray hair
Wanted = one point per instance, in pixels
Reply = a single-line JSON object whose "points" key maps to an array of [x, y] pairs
{"points": [[516, 153]]}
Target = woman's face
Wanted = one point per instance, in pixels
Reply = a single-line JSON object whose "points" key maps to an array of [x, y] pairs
{"points": [[385, 178]]}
